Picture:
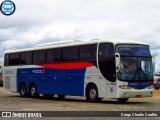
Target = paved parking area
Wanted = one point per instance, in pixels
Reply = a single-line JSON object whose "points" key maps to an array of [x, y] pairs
{"points": [[12, 101]]}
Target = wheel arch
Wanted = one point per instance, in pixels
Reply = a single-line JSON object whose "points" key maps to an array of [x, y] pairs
{"points": [[90, 84]]}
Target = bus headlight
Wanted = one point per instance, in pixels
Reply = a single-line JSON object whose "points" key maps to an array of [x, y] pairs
{"points": [[124, 87], [151, 87]]}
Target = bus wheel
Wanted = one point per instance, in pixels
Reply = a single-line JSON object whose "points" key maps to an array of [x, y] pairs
{"points": [[61, 97], [122, 100], [47, 95], [33, 91], [22, 90], [92, 94]]}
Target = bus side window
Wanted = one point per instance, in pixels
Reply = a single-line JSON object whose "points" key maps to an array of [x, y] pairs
{"points": [[23, 58], [14, 59], [39, 57], [26, 58], [53, 55], [88, 52], [6, 60], [70, 53]]}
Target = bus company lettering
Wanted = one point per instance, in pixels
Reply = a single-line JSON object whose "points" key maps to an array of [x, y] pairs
{"points": [[138, 83], [9, 72], [43, 71]]}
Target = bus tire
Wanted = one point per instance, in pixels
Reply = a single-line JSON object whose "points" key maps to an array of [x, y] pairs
{"points": [[33, 91], [122, 100], [22, 90], [61, 97], [92, 94]]}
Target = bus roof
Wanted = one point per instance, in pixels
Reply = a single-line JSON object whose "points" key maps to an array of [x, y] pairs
{"points": [[60, 44]]}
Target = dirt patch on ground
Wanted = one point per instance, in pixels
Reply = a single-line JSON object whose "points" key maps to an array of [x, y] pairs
{"points": [[156, 93]]}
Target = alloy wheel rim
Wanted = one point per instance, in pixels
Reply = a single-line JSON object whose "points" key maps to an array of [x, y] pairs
{"points": [[93, 94], [23, 90], [33, 91]]}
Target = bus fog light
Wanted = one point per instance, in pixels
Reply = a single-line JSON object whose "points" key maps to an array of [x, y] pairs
{"points": [[124, 87], [151, 87]]}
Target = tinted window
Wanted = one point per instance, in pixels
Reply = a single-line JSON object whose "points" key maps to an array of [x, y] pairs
{"points": [[26, 58], [70, 53], [1, 71], [6, 61], [14, 59], [53, 55], [39, 56], [107, 61], [88, 52]]}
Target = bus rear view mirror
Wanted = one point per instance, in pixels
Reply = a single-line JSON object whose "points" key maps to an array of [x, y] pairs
{"points": [[117, 55]]}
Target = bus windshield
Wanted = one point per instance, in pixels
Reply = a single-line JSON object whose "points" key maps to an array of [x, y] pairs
{"points": [[136, 68], [136, 63]]}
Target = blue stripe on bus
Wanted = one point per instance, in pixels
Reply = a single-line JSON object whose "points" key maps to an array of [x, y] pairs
{"points": [[53, 81]]}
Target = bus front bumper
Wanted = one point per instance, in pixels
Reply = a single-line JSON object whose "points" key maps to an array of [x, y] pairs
{"points": [[132, 93]]}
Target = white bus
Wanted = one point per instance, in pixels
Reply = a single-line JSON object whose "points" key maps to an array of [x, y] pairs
{"points": [[95, 69]]}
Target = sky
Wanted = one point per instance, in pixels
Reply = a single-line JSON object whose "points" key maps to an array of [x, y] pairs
{"points": [[40, 21]]}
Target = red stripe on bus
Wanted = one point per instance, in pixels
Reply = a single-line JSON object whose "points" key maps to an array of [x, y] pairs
{"points": [[151, 82], [136, 83], [78, 65]]}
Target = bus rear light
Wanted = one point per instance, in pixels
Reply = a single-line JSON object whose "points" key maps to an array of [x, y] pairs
{"points": [[151, 87], [124, 87]]}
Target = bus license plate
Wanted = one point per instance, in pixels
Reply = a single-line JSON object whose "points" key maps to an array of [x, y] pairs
{"points": [[138, 96]]}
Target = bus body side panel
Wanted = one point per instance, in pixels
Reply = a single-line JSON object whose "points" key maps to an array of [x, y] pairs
{"points": [[54, 81], [10, 79], [93, 75]]}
